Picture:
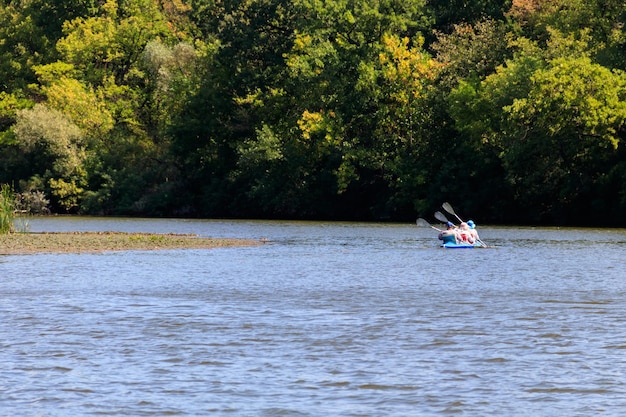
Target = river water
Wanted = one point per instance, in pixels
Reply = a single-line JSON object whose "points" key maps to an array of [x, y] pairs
{"points": [[344, 319]]}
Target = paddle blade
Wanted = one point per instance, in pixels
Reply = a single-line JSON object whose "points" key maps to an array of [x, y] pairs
{"points": [[447, 207], [422, 223], [441, 217]]}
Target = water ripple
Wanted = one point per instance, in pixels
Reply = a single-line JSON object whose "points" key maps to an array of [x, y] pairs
{"points": [[344, 319]]}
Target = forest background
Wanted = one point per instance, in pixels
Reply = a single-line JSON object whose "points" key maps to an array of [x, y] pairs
{"points": [[513, 111]]}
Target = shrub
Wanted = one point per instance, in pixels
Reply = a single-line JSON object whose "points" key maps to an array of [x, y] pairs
{"points": [[32, 202]]}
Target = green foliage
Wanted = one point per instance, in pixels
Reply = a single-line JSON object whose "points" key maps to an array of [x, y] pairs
{"points": [[110, 43], [9, 105], [173, 73], [68, 194], [81, 104], [49, 15], [602, 19], [51, 135], [563, 131], [7, 209], [22, 45], [315, 109], [343, 115], [399, 85], [555, 116], [471, 52], [56, 145]]}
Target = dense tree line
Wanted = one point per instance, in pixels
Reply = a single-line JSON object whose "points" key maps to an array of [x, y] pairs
{"points": [[513, 111]]}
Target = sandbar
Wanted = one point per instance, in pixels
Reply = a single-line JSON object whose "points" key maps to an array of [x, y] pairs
{"points": [[96, 242]]}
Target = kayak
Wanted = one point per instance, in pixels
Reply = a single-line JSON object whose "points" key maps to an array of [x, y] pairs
{"points": [[452, 245]]}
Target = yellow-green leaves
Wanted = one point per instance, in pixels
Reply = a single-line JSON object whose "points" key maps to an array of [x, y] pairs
{"points": [[406, 69], [320, 123], [67, 193], [112, 42], [81, 104], [574, 98]]}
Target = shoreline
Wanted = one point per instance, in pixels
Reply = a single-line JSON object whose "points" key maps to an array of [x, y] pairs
{"points": [[97, 242]]}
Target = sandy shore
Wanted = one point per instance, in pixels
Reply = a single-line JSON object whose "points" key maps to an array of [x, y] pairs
{"points": [[93, 242]]}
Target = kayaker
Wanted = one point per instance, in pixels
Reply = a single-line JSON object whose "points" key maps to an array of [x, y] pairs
{"points": [[449, 235], [473, 230], [465, 234]]}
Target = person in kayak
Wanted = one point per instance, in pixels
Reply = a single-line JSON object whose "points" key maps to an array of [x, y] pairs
{"points": [[449, 235], [473, 230], [465, 234]]}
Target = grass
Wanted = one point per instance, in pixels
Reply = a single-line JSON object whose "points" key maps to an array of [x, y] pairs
{"points": [[7, 209]]}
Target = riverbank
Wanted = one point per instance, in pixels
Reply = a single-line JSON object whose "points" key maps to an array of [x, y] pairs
{"points": [[94, 242]]}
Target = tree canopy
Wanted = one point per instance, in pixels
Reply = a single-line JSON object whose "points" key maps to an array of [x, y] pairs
{"points": [[308, 109]]}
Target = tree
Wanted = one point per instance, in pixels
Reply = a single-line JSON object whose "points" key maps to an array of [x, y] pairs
{"points": [[172, 75], [562, 135], [103, 84], [22, 45], [112, 42], [556, 117], [471, 51], [50, 15], [398, 86], [56, 147], [336, 62], [241, 73], [602, 19], [81, 104]]}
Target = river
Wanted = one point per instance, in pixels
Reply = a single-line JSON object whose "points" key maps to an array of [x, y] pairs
{"points": [[325, 319]]}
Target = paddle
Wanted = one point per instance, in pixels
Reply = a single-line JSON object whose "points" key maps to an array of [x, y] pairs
{"points": [[441, 217], [423, 223], [447, 207]]}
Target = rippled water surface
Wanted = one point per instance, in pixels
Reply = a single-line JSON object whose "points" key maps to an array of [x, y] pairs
{"points": [[326, 319]]}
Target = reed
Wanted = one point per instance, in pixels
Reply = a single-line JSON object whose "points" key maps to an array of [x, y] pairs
{"points": [[7, 209]]}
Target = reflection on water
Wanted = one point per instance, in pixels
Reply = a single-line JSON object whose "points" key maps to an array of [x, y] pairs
{"points": [[327, 319]]}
